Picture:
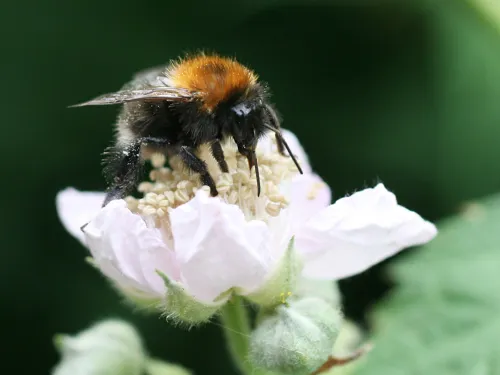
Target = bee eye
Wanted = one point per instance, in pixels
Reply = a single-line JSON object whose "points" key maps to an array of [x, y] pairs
{"points": [[242, 109]]}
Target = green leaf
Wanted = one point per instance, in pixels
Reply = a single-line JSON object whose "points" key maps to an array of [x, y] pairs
{"points": [[489, 9], [443, 317]]}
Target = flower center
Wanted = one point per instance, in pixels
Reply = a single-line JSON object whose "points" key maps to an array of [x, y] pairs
{"points": [[171, 187]]}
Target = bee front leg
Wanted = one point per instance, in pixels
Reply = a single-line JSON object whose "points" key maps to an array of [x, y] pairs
{"points": [[252, 162], [218, 154], [193, 162]]}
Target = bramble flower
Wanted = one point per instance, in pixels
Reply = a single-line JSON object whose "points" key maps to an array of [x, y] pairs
{"points": [[179, 247]]}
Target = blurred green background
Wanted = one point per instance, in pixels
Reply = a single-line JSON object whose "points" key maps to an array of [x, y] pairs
{"points": [[406, 92]]}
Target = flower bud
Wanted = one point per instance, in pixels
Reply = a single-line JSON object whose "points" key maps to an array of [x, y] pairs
{"points": [[297, 338], [111, 347]]}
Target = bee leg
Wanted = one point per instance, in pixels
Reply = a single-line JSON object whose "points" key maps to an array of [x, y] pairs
{"points": [[218, 154], [279, 143], [252, 162], [124, 167], [193, 162], [246, 153]]}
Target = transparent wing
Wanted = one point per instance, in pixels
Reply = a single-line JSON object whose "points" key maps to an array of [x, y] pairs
{"points": [[150, 85], [147, 78], [160, 93]]}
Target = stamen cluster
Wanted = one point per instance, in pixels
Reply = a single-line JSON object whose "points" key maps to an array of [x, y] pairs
{"points": [[172, 186]]}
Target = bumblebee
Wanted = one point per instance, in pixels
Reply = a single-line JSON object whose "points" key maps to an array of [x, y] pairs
{"points": [[202, 99]]}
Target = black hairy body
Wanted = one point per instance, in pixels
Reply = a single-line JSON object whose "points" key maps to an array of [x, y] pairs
{"points": [[174, 110]]}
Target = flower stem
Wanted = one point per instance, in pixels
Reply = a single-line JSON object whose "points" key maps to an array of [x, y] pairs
{"points": [[237, 331]]}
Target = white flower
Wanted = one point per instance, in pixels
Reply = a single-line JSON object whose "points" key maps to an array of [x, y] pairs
{"points": [[237, 241]]}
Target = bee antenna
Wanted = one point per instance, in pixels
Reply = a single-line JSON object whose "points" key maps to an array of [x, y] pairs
{"points": [[272, 128], [282, 140], [280, 136]]}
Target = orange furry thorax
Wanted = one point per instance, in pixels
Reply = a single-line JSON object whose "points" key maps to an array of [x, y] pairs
{"points": [[214, 78]]}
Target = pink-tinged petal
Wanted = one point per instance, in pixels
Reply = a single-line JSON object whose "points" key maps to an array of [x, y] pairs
{"points": [[76, 208], [291, 139], [281, 231], [217, 249], [357, 232], [129, 252], [308, 195]]}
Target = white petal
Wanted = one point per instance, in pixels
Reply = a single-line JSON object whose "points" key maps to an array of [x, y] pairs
{"points": [[76, 208], [308, 195], [217, 249], [129, 252], [266, 145], [357, 232]]}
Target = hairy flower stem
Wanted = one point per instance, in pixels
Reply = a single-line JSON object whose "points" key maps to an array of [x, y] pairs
{"points": [[236, 324]]}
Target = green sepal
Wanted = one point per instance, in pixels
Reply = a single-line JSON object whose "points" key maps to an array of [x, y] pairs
{"points": [[282, 283], [180, 307], [58, 341]]}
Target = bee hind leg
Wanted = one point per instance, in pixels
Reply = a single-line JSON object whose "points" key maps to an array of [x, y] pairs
{"points": [[193, 162], [124, 167]]}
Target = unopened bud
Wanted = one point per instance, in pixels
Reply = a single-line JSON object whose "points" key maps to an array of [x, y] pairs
{"points": [[112, 347], [297, 339]]}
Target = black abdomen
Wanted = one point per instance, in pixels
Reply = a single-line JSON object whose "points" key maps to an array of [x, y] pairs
{"points": [[156, 120]]}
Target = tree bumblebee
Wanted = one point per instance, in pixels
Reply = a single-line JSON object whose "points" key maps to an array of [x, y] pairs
{"points": [[202, 99]]}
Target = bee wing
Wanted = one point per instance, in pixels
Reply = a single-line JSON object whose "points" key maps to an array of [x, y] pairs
{"points": [[158, 93], [150, 77], [149, 85]]}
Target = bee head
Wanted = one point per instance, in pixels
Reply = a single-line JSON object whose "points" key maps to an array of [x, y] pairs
{"points": [[243, 117]]}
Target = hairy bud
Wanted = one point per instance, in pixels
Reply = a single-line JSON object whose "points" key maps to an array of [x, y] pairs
{"points": [[111, 347], [297, 338]]}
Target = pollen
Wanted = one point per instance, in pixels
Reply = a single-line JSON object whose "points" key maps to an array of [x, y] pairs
{"points": [[215, 78], [170, 187]]}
